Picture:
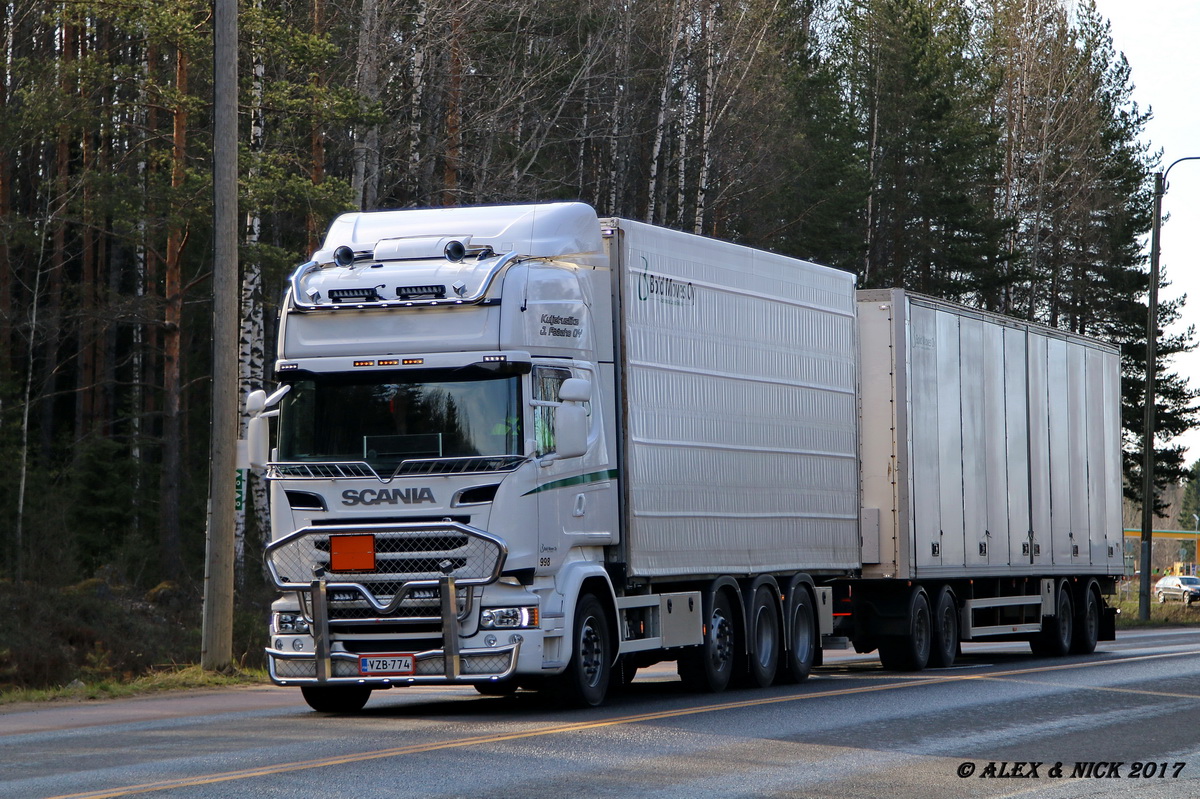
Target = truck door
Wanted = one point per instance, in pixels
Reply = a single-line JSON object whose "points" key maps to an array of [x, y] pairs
{"points": [[576, 496]]}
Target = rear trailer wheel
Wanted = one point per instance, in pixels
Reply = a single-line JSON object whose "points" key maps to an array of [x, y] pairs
{"points": [[764, 635], [802, 653], [1055, 638], [944, 646], [1087, 624], [336, 698], [585, 682], [910, 652], [709, 667]]}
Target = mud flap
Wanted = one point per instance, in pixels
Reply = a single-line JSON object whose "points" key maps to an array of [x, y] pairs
{"points": [[1108, 624]]}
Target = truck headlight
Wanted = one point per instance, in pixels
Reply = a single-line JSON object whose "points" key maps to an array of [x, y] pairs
{"points": [[290, 623], [508, 618]]}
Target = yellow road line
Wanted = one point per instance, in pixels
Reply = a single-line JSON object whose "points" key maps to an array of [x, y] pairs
{"points": [[339, 760]]}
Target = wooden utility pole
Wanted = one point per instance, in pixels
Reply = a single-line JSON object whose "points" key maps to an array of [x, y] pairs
{"points": [[217, 646]]}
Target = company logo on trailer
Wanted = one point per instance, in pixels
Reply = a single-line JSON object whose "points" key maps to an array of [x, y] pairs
{"points": [[666, 290], [388, 496]]}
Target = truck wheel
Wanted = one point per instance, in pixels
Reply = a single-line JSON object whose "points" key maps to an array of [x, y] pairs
{"points": [[910, 652], [585, 682], [944, 646], [764, 633], [803, 653], [709, 667], [1087, 625], [1055, 638], [336, 698]]}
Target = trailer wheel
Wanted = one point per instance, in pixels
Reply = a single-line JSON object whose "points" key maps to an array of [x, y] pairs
{"points": [[585, 682], [803, 653], [944, 646], [910, 652], [709, 667], [764, 633], [336, 698], [1055, 638], [1087, 625]]}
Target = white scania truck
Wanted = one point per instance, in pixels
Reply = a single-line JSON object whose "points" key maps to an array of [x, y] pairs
{"points": [[524, 447]]}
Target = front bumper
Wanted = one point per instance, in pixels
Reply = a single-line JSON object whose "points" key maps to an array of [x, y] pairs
{"points": [[430, 667]]}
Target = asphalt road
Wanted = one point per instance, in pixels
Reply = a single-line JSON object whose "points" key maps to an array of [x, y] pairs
{"points": [[1122, 722]]}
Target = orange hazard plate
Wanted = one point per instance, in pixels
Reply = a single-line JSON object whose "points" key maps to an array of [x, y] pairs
{"points": [[352, 553]]}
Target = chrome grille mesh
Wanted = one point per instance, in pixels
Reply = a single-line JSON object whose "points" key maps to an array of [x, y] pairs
{"points": [[409, 560]]}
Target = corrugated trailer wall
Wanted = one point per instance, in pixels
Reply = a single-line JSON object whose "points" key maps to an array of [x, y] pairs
{"points": [[738, 373], [990, 446]]}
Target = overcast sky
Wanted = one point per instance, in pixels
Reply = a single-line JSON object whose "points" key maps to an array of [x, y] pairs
{"points": [[1161, 40]]}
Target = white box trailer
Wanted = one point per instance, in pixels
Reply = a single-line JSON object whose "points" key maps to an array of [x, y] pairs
{"points": [[523, 447], [737, 372], [991, 446], [991, 476]]}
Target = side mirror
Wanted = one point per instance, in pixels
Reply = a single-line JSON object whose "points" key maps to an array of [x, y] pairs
{"points": [[256, 401], [570, 430], [257, 445], [575, 389]]}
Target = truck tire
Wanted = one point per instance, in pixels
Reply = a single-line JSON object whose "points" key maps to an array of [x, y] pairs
{"points": [[585, 682], [910, 652], [1087, 624], [765, 636], [709, 667], [336, 698], [944, 645], [1057, 632], [803, 653]]}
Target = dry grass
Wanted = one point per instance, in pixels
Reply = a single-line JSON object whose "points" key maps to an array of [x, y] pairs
{"points": [[1168, 614], [174, 678]]}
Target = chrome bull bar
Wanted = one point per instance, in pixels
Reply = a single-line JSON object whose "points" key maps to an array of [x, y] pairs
{"points": [[397, 558]]}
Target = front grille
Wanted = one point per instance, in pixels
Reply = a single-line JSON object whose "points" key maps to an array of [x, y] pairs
{"points": [[385, 545], [410, 560], [347, 604]]}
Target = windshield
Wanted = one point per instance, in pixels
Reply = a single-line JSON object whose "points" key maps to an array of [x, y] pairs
{"points": [[385, 418]]}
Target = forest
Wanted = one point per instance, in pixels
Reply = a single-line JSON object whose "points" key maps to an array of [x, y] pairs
{"points": [[983, 151]]}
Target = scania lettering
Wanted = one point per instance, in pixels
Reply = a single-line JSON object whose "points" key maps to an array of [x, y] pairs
{"points": [[406, 496], [526, 448]]}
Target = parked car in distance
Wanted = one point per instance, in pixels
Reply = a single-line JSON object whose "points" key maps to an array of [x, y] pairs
{"points": [[1183, 588]]}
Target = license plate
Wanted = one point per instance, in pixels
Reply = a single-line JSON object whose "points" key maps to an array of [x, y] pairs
{"points": [[386, 664]]}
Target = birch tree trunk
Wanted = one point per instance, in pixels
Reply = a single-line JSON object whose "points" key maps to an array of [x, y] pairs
{"points": [[7, 273], [251, 355], [316, 136], [170, 545], [664, 112], [416, 119], [707, 123], [365, 180]]}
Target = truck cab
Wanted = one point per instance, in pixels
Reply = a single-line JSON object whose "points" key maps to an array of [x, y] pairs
{"points": [[441, 386]]}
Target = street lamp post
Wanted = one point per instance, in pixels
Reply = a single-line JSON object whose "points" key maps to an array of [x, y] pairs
{"points": [[1160, 188]]}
